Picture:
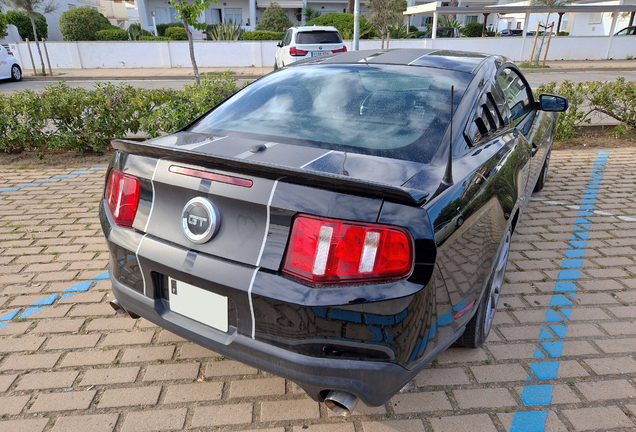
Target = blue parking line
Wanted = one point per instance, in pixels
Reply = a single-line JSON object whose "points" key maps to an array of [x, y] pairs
{"points": [[60, 177], [541, 394]]}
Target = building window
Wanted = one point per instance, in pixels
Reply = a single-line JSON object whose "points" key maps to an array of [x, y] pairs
{"points": [[426, 21], [234, 15], [596, 18], [470, 19]]}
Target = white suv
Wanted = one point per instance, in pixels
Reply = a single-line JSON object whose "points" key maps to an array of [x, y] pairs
{"points": [[305, 42], [9, 66]]}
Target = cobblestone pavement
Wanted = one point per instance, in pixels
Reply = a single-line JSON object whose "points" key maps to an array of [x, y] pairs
{"points": [[560, 356]]}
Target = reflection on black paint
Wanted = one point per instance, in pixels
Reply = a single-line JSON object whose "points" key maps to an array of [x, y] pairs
{"points": [[125, 268]]}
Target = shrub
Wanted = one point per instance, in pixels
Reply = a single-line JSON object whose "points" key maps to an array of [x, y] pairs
{"points": [[274, 19], [413, 29], [563, 33], [3, 25], [82, 24], [344, 23], [161, 28], [154, 38], [22, 21], [135, 32], [112, 35], [263, 35], [176, 33], [473, 29], [224, 31], [65, 118]]}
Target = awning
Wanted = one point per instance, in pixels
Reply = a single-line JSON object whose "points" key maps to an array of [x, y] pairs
{"points": [[285, 4]]}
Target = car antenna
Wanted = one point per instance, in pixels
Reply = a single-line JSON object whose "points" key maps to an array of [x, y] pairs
{"points": [[448, 175]]}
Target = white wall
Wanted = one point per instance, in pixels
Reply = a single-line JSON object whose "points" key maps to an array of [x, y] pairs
{"points": [[173, 54]]}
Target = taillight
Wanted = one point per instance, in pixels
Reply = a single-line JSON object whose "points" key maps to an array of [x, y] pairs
{"points": [[122, 196], [331, 251], [343, 49], [293, 51]]}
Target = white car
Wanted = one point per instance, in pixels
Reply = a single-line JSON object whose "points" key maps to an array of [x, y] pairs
{"points": [[9, 66], [305, 42]]}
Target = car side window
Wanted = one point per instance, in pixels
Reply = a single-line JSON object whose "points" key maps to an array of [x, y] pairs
{"points": [[288, 37], [516, 93]]}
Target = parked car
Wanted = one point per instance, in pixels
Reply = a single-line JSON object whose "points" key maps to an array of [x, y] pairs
{"points": [[9, 66], [443, 32], [627, 31], [511, 32], [329, 223], [306, 42]]}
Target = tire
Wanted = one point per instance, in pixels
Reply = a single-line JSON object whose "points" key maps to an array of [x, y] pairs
{"points": [[16, 73], [544, 174], [479, 326]]}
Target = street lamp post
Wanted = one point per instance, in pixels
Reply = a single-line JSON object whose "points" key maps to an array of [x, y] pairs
{"points": [[356, 25]]}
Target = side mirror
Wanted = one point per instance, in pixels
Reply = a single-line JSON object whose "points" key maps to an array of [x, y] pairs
{"points": [[553, 103], [279, 44]]}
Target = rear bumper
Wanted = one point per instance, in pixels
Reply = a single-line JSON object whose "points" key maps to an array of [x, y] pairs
{"points": [[373, 382]]}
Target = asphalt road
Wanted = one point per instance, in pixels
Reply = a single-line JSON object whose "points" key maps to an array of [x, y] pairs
{"points": [[535, 79]]}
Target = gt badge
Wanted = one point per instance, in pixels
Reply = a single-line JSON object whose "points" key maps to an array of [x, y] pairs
{"points": [[200, 220]]}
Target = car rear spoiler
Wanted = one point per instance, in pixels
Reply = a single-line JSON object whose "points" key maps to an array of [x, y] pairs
{"points": [[402, 195]]}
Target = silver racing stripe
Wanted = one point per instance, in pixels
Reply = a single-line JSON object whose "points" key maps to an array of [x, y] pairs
{"points": [[139, 264], [318, 158], [154, 195], [249, 153]]}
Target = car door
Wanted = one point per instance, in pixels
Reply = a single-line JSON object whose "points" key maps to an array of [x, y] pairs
{"points": [[282, 55], [471, 217], [5, 64], [531, 123]]}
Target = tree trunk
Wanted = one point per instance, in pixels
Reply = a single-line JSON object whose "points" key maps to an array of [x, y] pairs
{"points": [[350, 6], [453, 3], [538, 57], [37, 44], [191, 46]]}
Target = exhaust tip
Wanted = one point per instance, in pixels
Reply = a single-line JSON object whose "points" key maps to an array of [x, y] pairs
{"points": [[341, 403], [119, 309]]}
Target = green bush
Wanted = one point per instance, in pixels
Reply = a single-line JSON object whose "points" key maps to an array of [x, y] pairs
{"points": [[3, 25], [154, 38], [176, 33], [417, 34], [563, 33], [66, 118], [135, 32], [274, 19], [263, 35], [161, 28], [22, 21], [413, 29], [225, 31], [82, 24], [473, 29], [112, 35], [344, 23]]}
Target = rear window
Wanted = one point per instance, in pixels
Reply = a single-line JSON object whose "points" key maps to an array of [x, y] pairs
{"points": [[400, 112], [318, 37]]}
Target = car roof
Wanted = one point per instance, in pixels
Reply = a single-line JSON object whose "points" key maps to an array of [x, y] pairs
{"points": [[315, 28], [461, 61]]}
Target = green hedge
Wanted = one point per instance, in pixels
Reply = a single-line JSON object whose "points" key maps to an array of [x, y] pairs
{"points": [[154, 38], [66, 118], [263, 35], [3, 25], [112, 35], [474, 29], [22, 21], [344, 23], [176, 33], [82, 24], [161, 28], [616, 99]]}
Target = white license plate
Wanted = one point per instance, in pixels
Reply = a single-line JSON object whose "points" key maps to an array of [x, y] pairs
{"points": [[319, 53], [198, 304]]}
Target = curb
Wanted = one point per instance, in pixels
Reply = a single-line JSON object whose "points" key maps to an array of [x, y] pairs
{"points": [[563, 70], [125, 78]]}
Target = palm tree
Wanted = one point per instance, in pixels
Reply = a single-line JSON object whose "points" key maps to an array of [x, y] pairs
{"points": [[31, 7]]}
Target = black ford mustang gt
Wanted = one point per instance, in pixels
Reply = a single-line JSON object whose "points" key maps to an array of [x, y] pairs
{"points": [[339, 222]]}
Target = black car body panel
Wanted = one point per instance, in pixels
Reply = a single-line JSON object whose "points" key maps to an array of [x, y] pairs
{"points": [[368, 338]]}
